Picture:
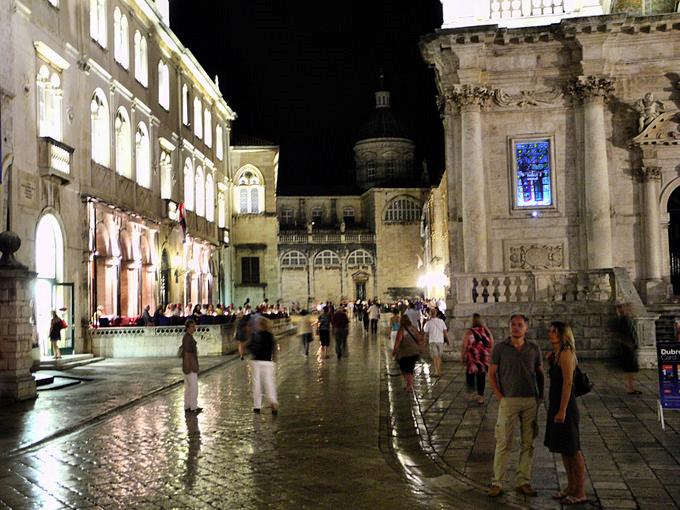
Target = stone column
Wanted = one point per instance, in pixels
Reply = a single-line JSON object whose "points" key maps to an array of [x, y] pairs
{"points": [[649, 177], [468, 101], [16, 381], [593, 91]]}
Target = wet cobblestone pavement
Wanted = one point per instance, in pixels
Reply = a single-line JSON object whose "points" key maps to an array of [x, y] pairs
{"points": [[347, 436], [630, 461], [322, 451]]}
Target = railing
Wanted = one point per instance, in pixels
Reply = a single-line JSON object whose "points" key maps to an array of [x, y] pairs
{"points": [[317, 237], [515, 13], [554, 286], [54, 158]]}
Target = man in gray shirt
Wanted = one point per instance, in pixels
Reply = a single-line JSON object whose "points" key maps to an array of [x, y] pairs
{"points": [[517, 380]]}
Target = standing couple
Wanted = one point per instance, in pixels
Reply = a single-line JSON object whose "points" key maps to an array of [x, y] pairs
{"points": [[517, 380]]}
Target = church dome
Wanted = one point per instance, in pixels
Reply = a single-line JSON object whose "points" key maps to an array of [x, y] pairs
{"points": [[383, 123]]}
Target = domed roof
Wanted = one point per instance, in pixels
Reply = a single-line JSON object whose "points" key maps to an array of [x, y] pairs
{"points": [[382, 123]]}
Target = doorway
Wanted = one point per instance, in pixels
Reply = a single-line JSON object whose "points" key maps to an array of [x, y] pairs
{"points": [[674, 239], [51, 293], [360, 290]]}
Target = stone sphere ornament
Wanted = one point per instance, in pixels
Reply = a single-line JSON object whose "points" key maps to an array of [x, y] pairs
{"points": [[9, 244]]}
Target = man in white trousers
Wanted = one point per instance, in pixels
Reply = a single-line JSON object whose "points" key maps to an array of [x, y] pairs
{"points": [[263, 347]]}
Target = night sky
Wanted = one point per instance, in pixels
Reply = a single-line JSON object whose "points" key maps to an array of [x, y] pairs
{"points": [[303, 75]]}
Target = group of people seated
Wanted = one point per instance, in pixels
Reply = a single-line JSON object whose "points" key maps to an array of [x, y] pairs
{"points": [[176, 314]]}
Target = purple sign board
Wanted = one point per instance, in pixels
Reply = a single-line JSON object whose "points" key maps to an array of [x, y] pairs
{"points": [[668, 358]]}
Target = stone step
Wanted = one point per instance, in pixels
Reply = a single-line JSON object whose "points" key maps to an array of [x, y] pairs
{"points": [[43, 379], [67, 362], [61, 382]]}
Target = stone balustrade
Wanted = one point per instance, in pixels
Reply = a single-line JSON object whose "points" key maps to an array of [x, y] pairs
{"points": [[325, 237], [54, 158], [553, 286], [163, 341]]}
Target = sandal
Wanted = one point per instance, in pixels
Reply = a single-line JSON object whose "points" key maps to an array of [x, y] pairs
{"points": [[560, 495], [572, 500]]}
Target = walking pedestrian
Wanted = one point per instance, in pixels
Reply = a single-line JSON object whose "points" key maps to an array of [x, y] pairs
{"points": [[56, 325], [324, 328], [414, 315], [364, 317], [306, 331], [437, 335], [394, 326], [475, 355], [374, 316], [406, 350], [562, 427], [190, 368], [517, 379], [340, 323], [263, 347], [244, 331]]}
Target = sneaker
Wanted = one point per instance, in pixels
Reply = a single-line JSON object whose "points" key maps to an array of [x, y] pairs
{"points": [[197, 410], [495, 491], [526, 489], [480, 400]]}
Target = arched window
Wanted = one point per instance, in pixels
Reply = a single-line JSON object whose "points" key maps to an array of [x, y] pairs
{"points": [[141, 59], [207, 129], [200, 191], [209, 198], [293, 259], [249, 192], [143, 156], [50, 98], [403, 210], [165, 164], [123, 143], [121, 41], [101, 139], [49, 264], [198, 125], [185, 105], [219, 143], [359, 258], [163, 85], [221, 210], [98, 21], [327, 258], [189, 185], [389, 168]]}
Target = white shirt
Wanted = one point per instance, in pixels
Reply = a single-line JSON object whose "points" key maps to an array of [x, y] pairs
{"points": [[373, 312], [435, 329]]}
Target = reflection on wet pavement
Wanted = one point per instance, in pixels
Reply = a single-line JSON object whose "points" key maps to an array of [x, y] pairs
{"points": [[321, 451]]}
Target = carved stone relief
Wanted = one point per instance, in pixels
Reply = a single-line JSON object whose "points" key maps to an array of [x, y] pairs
{"points": [[591, 87], [526, 97], [535, 256]]}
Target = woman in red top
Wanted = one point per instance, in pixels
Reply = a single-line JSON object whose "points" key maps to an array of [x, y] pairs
{"points": [[475, 355]]}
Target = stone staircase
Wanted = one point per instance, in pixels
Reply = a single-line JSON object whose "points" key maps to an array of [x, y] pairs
{"points": [[67, 361], [665, 324]]}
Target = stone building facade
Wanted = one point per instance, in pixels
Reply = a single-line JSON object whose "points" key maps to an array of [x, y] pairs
{"points": [[365, 243], [561, 161], [118, 134]]}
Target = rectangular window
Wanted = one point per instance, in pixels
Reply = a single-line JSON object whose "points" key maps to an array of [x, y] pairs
{"points": [[533, 185], [286, 216], [250, 270]]}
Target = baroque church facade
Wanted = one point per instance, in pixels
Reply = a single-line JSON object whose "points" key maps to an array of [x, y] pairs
{"points": [[562, 148]]}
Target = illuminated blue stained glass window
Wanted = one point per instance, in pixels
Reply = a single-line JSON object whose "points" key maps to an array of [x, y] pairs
{"points": [[534, 174]]}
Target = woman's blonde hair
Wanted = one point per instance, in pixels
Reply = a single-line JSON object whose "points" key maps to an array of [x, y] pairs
{"points": [[565, 334]]}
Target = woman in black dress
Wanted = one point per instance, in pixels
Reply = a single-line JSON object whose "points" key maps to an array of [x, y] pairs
{"points": [[561, 431]]}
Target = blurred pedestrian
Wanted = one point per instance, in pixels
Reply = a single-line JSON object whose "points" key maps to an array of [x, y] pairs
{"points": [[562, 427], [263, 348], [306, 331], [190, 368], [475, 354], [394, 327], [414, 315], [407, 351], [244, 330], [374, 317], [340, 323], [629, 347], [437, 335], [56, 325]]}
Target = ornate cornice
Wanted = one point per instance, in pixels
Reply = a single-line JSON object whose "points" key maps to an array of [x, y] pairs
{"points": [[586, 88], [648, 173]]}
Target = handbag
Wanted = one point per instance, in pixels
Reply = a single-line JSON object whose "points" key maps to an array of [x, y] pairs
{"points": [[582, 383], [422, 345]]}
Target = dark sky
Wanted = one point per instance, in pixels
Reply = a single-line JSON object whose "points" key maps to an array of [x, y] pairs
{"points": [[303, 74]]}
